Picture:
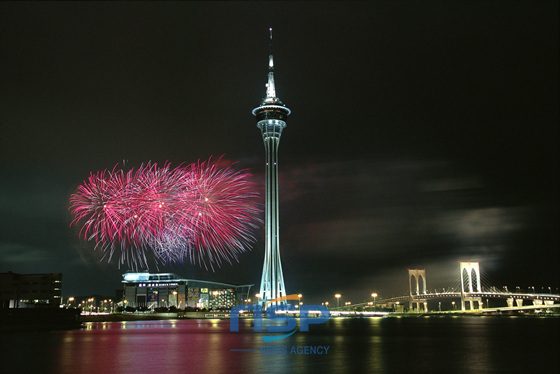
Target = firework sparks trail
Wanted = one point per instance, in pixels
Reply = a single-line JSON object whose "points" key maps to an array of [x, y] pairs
{"points": [[201, 212]]}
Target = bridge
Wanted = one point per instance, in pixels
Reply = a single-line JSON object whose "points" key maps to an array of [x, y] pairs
{"points": [[472, 292], [469, 291]]}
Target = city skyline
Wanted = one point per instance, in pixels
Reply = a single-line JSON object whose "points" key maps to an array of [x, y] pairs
{"points": [[421, 134]]}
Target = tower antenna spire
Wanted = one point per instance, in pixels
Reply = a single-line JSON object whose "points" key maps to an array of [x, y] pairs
{"points": [[270, 43], [270, 87]]}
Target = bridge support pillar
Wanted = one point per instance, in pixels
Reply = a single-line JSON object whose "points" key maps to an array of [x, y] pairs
{"points": [[537, 302], [471, 300], [420, 304], [519, 302], [470, 283], [510, 302], [417, 288]]}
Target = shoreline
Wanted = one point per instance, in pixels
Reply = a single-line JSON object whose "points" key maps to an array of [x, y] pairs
{"points": [[123, 317], [67, 319]]}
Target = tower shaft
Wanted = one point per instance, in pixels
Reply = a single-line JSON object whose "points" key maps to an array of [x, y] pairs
{"points": [[272, 282]]}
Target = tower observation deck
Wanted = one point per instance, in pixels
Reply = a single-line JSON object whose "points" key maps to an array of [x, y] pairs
{"points": [[271, 117]]}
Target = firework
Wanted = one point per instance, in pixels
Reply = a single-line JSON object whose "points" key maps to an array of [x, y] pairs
{"points": [[202, 212]]}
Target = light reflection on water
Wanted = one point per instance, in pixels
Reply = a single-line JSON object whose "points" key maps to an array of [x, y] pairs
{"points": [[376, 345]]}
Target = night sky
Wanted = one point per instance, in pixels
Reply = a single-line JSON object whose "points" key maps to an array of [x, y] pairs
{"points": [[422, 133]]}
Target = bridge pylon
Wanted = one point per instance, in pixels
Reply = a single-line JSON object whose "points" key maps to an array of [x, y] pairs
{"points": [[470, 283], [417, 288]]}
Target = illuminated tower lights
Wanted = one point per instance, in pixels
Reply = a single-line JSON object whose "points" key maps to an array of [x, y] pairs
{"points": [[271, 119]]}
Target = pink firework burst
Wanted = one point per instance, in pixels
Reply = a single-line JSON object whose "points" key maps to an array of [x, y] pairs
{"points": [[202, 212]]}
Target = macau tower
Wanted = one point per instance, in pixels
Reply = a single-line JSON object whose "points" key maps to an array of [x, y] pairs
{"points": [[271, 117]]}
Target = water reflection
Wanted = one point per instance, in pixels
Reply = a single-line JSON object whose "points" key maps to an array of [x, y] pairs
{"points": [[354, 345]]}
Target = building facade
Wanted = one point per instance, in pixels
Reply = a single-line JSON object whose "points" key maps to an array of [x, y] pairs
{"points": [[30, 290], [157, 290]]}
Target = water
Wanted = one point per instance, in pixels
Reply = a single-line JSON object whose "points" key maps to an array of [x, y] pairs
{"points": [[359, 345]]}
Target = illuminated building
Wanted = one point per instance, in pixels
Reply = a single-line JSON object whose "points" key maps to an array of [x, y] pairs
{"points": [[30, 290], [155, 290], [271, 118]]}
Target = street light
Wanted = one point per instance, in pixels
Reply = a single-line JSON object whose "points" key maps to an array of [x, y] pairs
{"points": [[258, 296], [299, 298], [337, 300], [374, 295]]}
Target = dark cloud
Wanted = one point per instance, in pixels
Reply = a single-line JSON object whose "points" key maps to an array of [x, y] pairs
{"points": [[21, 256], [348, 218]]}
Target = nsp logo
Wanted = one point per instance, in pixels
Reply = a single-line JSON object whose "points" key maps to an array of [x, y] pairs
{"points": [[291, 323]]}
